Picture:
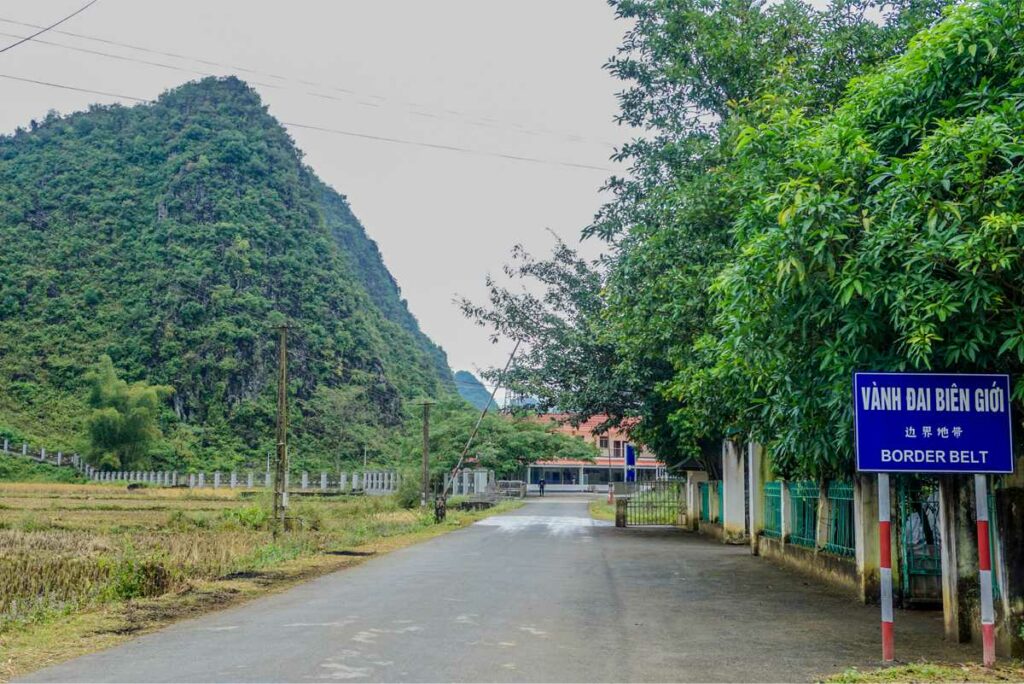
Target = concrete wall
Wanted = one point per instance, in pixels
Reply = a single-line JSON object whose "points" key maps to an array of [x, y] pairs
{"points": [[734, 502]]}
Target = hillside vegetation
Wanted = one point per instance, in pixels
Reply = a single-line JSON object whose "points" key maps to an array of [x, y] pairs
{"points": [[174, 237], [472, 390]]}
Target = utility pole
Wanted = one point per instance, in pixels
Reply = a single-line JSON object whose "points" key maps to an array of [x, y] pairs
{"points": [[281, 474], [426, 453]]}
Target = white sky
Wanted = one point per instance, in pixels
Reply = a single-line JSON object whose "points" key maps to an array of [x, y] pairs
{"points": [[517, 77]]}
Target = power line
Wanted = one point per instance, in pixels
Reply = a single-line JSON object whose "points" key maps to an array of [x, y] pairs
{"points": [[67, 87], [451, 148], [480, 122], [44, 29], [352, 134], [135, 60]]}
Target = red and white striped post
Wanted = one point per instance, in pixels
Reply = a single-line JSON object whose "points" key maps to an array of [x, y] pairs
{"points": [[885, 566], [988, 619]]}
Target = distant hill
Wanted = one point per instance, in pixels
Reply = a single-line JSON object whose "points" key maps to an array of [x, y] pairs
{"points": [[174, 236], [472, 390]]}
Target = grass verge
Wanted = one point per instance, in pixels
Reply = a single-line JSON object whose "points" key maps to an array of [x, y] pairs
{"points": [[600, 509], [1009, 671]]}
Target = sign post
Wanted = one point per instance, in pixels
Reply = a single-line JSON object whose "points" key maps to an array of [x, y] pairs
{"points": [[988, 618], [885, 566], [934, 423]]}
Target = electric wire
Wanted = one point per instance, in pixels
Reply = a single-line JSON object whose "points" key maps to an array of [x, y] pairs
{"points": [[485, 122], [44, 29], [352, 134]]}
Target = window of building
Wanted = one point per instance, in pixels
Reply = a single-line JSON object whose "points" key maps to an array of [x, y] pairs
{"points": [[617, 448], [603, 443]]}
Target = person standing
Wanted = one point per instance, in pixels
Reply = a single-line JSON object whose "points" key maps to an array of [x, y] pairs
{"points": [[541, 484]]}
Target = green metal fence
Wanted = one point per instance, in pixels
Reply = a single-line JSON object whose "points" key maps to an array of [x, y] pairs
{"points": [[772, 510], [840, 519], [705, 502], [803, 518], [717, 484]]}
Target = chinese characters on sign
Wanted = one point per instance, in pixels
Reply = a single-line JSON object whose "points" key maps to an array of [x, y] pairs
{"points": [[940, 423]]}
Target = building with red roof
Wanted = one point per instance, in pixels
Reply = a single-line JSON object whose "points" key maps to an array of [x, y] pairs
{"points": [[618, 460]]}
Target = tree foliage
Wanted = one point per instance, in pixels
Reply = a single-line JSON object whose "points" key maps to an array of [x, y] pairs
{"points": [[887, 236], [640, 335], [123, 425], [503, 443]]}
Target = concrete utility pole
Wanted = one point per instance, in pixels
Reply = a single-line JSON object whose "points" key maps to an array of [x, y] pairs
{"points": [[281, 474], [426, 453]]}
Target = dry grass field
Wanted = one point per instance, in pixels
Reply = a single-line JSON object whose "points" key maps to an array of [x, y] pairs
{"points": [[68, 550]]}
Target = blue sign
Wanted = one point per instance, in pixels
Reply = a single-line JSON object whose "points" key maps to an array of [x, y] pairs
{"points": [[630, 463], [932, 423]]}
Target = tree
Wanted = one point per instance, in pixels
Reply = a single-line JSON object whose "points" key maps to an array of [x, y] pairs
{"points": [[696, 73], [888, 237], [563, 361], [123, 424], [503, 443]]}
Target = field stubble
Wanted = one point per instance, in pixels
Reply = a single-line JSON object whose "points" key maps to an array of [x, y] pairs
{"points": [[64, 548]]}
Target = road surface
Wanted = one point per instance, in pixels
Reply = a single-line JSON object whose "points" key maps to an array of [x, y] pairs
{"points": [[541, 594]]}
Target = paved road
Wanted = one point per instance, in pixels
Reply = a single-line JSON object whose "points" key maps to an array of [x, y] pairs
{"points": [[542, 594]]}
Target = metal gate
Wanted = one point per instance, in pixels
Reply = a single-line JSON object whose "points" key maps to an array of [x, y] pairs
{"points": [[658, 502], [920, 538]]}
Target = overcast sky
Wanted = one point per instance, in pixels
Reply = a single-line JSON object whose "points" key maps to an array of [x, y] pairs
{"points": [[520, 78]]}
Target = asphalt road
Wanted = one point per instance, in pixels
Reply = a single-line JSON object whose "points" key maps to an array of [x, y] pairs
{"points": [[542, 594]]}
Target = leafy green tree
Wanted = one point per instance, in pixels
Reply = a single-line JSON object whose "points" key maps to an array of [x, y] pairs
{"points": [[503, 443], [694, 70], [887, 236], [124, 421]]}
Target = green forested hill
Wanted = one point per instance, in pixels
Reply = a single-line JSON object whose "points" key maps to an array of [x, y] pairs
{"points": [[173, 237], [472, 390]]}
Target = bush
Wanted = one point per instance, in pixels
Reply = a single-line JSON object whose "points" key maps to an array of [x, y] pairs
{"points": [[252, 517], [409, 489]]}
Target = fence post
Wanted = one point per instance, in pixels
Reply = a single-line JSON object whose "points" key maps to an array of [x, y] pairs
{"points": [[956, 629], [202, 480], [305, 479], [249, 480], [42, 453], [755, 475], [824, 515], [24, 448], [733, 515], [5, 446], [343, 482], [693, 479], [785, 509], [60, 458], [323, 481]]}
